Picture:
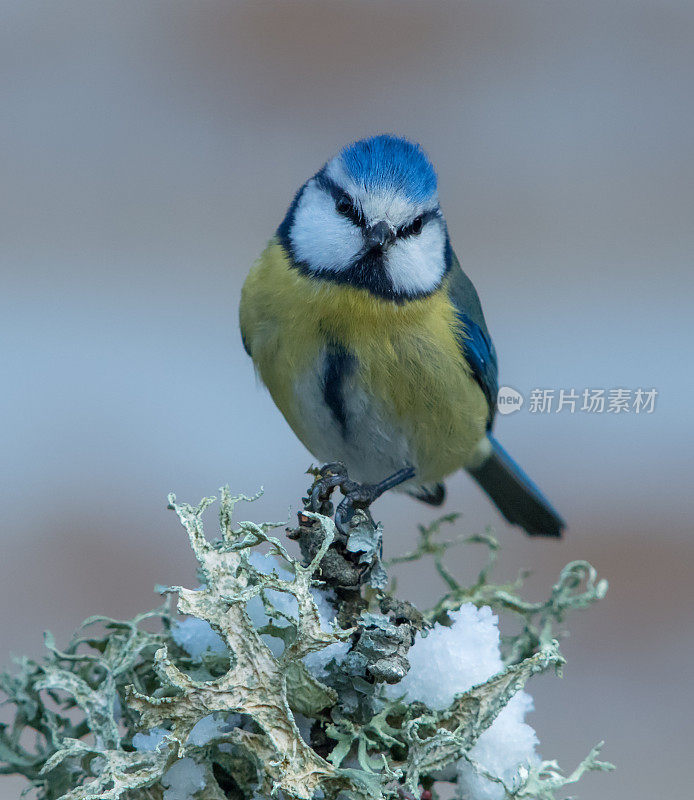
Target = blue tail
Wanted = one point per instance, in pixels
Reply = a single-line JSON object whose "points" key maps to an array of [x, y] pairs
{"points": [[515, 495]]}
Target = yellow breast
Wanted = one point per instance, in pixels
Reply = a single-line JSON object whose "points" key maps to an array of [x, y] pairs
{"points": [[407, 356]]}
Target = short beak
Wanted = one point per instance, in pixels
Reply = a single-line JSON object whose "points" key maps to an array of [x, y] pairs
{"points": [[379, 235]]}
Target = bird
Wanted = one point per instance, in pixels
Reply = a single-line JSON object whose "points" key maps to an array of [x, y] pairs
{"points": [[371, 339]]}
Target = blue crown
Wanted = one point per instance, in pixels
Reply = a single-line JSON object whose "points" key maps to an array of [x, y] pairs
{"points": [[391, 164]]}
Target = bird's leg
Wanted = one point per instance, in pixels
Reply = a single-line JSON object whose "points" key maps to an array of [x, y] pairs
{"points": [[356, 495], [361, 495]]}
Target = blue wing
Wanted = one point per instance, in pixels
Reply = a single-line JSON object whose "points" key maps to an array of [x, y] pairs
{"points": [[474, 338]]}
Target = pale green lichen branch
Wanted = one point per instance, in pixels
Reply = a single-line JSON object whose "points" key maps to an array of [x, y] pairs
{"points": [[120, 713], [256, 685]]}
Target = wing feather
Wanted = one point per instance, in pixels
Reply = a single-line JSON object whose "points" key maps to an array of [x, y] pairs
{"points": [[473, 337]]}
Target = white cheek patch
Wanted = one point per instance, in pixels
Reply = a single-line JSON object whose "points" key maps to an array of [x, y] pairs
{"points": [[320, 237], [416, 264]]}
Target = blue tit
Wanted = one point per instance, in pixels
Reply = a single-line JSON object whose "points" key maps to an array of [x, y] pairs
{"points": [[371, 339]]}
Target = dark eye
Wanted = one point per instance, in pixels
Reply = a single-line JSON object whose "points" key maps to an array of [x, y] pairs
{"points": [[343, 204], [416, 225]]}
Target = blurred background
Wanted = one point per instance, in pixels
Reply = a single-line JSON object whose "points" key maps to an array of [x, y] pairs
{"points": [[148, 152]]}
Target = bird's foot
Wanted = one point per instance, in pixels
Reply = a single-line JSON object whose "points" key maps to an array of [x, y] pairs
{"points": [[327, 478], [355, 495]]}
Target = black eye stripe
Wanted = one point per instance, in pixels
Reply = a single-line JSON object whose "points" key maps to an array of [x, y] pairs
{"points": [[354, 214], [408, 230], [345, 206]]}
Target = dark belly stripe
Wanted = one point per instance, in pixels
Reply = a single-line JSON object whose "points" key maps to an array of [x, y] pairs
{"points": [[339, 364]]}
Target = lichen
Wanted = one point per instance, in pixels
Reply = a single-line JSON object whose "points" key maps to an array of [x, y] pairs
{"points": [[123, 712], [576, 588]]}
